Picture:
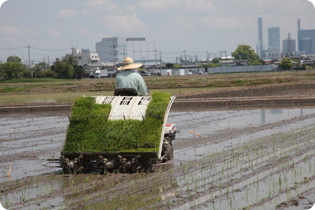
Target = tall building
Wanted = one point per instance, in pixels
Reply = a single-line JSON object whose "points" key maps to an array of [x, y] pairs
{"points": [[274, 39], [115, 49], [306, 40], [273, 42], [260, 45], [289, 46]]}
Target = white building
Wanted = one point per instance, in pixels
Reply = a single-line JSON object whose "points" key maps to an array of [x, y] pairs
{"points": [[115, 49], [84, 56]]}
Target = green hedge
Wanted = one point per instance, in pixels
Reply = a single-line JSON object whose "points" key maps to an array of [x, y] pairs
{"points": [[91, 131]]}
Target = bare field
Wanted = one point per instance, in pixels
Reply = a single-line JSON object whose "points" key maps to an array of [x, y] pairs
{"points": [[49, 90]]}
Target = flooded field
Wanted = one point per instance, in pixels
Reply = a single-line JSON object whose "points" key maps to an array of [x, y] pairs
{"points": [[237, 159]]}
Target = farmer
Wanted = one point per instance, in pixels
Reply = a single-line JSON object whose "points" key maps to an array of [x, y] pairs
{"points": [[127, 79]]}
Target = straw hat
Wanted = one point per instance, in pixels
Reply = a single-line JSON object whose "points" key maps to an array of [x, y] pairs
{"points": [[129, 64]]}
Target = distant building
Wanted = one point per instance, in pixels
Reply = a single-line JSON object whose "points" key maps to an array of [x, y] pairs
{"points": [[289, 46], [274, 39], [115, 49], [306, 41], [310, 60], [273, 43], [89, 69], [260, 46], [84, 56]]}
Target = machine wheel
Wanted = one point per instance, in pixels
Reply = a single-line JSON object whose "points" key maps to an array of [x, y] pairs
{"points": [[167, 152], [173, 135]]}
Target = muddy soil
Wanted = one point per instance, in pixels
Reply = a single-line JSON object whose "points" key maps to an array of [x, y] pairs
{"points": [[223, 159]]}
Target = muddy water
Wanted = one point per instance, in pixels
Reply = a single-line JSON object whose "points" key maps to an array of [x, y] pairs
{"points": [[203, 133], [208, 123], [27, 141], [221, 158]]}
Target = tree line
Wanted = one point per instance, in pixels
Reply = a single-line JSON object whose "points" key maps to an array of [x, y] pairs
{"points": [[64, 68], [67, 68]]}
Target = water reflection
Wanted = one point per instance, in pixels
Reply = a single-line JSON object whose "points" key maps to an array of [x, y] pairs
{"points": [[210, 122], [221, 130]]}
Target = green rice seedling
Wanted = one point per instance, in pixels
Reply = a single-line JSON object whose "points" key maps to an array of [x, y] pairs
{"points": [[91, 131]]}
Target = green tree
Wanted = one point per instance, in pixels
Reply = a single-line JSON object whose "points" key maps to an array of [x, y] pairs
{"points": [[63, 69], [11, 70], [213, 65], [78, 72], [246, 52], [14, 59], [216, 60], [177, 66], [39, 69], [169, 65], [286, 64], [68, 58]]}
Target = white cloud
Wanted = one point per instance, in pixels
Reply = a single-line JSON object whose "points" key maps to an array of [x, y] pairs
{"points": [[225, 22], [83, 32], [199, 5], [67, 13], [87, 34], [105, 4], [206, 23], [54, 32], [159, 5], [123, 23], [11, 42], [14, 31]]}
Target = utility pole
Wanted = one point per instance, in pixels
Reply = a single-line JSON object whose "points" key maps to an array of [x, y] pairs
{"points": [[72, 55], [29, 60], [185, 59], [221, 60], [207, 63], [155, 51], [29, 56], [147, 50], [133, 49], [124, 49], [140, 51], [207, 57], [160, 58]]}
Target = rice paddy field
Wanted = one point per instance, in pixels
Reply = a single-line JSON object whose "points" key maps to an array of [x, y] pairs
{"points": [[249, 154]]}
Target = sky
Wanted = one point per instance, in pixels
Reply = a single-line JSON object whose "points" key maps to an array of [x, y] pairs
{"points": [[52, 27]]}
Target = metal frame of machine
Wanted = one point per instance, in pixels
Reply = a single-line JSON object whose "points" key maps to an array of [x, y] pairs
{"points": [[124, 107]]}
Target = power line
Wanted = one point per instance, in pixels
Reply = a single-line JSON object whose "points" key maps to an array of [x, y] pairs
{"points": [[17, 48], [36, 48]]}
